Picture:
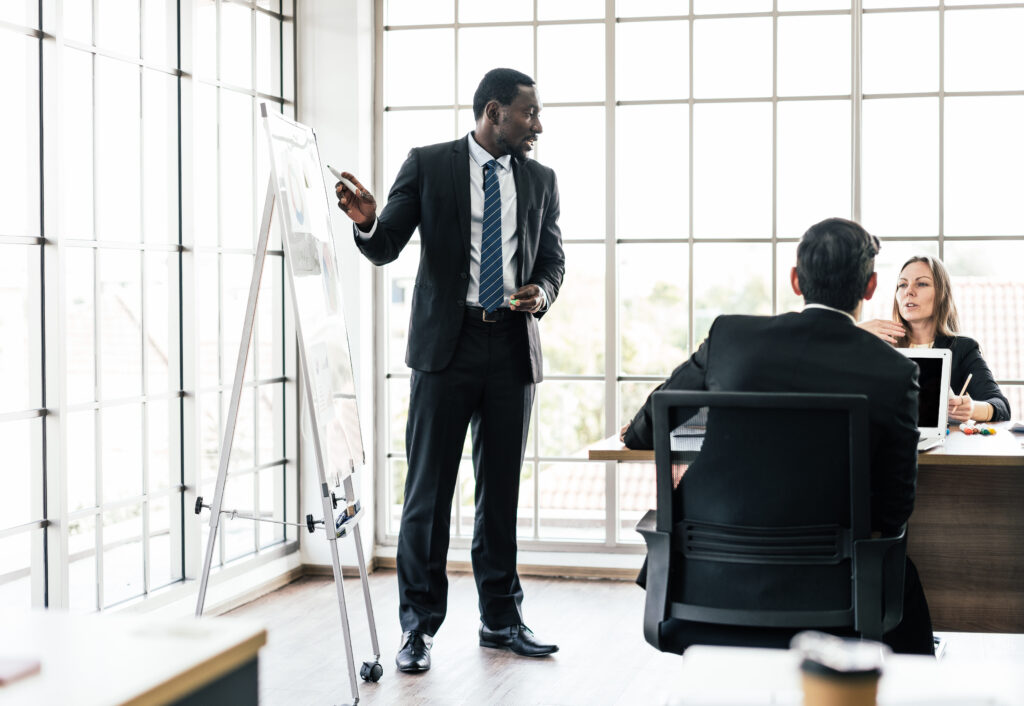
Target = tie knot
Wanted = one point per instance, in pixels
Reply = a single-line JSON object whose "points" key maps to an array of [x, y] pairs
{"points": [[492, 165]]}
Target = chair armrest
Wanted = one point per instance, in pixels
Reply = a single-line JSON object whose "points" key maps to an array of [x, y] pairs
{"points": [[648, 523], [879, 573], [656, 606]]}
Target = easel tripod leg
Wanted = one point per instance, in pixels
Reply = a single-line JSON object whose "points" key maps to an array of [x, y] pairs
{"points": [[236, 388], [208, 562], [346, 631], [364, 579]]}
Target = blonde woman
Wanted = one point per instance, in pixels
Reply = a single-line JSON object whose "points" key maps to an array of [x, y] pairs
{"points": [[924, 316]]}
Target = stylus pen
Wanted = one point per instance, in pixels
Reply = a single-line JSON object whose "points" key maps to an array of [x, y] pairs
{"points": [[966, 383], [347, 182]]}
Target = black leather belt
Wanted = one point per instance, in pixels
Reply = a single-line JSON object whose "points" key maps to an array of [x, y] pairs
{"points": [[478, 313]]}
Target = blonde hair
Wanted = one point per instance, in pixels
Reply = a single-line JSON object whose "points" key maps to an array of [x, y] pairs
{"points": [[947, 321]]}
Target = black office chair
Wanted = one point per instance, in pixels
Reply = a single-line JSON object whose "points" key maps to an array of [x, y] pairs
{"points": [[769, 531]]}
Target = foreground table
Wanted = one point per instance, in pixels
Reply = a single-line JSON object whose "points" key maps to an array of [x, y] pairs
{"points": [[88, 660], [714, 676], [966, 535]]}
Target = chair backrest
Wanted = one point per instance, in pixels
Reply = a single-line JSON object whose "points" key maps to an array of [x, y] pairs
{"points": [[764, 528]]}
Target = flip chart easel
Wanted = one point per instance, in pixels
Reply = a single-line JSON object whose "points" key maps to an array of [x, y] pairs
{"points": [[297, 195]]}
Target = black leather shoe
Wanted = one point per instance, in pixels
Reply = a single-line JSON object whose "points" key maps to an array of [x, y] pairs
{"points": [[415, 653], [518, 638]]}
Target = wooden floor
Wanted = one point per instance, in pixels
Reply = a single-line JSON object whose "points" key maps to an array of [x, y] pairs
{"points": [[603, 657]]}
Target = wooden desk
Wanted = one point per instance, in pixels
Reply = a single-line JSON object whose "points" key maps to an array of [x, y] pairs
{"points": [[90, 660], [966, 535]]}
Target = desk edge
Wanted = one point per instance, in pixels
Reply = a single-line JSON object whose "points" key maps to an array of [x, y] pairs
{"points": [[202, 674]]}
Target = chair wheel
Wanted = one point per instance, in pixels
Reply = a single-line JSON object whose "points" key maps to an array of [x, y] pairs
{"points": [[371, 671]]}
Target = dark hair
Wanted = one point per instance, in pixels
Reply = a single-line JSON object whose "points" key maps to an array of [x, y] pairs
{"points": [[834, 261], [947, 321], [501, 85]]}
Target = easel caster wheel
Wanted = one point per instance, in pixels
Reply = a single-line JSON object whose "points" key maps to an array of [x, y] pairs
{"points": [[371, 671]]}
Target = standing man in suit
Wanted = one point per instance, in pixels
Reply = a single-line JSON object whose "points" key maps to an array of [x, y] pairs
{"points": [[491, 264], [821, 349]]}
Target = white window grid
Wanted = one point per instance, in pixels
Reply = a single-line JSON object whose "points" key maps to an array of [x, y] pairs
{"points": [[615, 530], [50, 559]]}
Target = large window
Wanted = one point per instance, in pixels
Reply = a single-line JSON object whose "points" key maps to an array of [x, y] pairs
{"points": [[132, 179], [694, 143]]}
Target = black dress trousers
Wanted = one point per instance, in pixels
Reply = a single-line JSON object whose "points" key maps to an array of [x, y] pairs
{"points": [[487, 385]]}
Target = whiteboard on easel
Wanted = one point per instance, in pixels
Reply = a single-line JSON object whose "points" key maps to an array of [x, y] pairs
{"points": [[304, 209]]}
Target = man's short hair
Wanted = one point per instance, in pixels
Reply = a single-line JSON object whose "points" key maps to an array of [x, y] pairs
{"points": [[501, 85], [834, 261]]}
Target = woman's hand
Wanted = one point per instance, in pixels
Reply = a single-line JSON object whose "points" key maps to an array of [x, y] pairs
{"points": [[960, 408], [888, 331], [622, 432]]}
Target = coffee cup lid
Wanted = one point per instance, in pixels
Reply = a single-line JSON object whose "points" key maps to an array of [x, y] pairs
{"points": [[828, 655]]}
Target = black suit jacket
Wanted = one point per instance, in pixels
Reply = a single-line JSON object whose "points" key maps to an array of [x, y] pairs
{"points": [[816, 350], [431, 192], [967, 360]]}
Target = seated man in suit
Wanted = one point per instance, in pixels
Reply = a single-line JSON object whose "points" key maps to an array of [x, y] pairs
{"points": [[821, 349]]}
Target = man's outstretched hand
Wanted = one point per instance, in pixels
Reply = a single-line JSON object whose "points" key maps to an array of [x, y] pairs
{"points": [[360, 206]]}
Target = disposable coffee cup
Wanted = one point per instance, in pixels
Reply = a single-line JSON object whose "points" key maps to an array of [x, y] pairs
{"points": [[839, 672]]}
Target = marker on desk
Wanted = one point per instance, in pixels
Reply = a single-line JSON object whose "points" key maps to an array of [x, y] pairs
{"points": [[347, 182]]}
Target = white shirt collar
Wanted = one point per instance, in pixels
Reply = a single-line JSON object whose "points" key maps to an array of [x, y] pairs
{"points": [[482, 156], [830, 308]]}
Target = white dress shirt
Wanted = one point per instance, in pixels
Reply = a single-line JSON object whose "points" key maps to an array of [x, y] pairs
{"points": [[830, 308]]}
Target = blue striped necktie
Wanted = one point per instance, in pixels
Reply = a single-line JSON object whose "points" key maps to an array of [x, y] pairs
{"points": [[492, 285]]}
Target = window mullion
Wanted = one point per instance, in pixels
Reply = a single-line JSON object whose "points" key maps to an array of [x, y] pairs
{"points": [[856, 104], [611, 358]]}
